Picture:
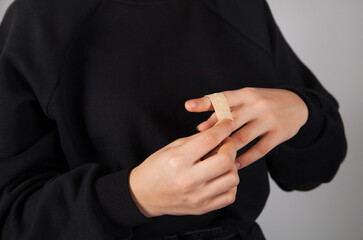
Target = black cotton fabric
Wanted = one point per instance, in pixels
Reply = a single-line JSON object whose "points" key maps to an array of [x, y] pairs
{"points": [[90, 88]]}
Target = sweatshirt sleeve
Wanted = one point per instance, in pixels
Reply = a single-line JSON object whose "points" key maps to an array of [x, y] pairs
{"points": [[41, 195], [314, 154]]}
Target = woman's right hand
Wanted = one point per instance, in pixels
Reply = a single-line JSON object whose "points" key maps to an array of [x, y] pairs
{"points": [[175, 181]]}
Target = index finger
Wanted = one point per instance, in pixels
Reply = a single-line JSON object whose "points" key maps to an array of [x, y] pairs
{"points": [[233, 98], [201, 143], [216, 164]]}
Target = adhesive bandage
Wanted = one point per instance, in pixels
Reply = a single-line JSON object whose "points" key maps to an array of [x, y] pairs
{"points": [[220, 105]]}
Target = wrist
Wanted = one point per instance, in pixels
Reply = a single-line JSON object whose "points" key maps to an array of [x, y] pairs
{"points": [[310, 131], [136, 194], [303, 109]]}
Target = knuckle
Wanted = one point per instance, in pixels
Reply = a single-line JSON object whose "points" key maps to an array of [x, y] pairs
{"points": [[262, 103], [226, 162], [234, 180], [184, 185], [272, 117], [230, 198], [224, 159], [284, 130], [174, 161], [242, 136], [263, 148], [174, 154], [234, 149], [195, 203], [230, 141], [210, 139], [237, 180], [225, 165], [248, 90], [234, 190]]}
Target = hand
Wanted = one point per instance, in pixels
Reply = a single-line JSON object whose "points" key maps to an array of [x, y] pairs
{"points": [[275, 115], [174, 180]]}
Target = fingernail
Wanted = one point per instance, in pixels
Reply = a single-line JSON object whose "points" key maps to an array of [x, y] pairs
{"points": [[192, 104], [238, 165]]}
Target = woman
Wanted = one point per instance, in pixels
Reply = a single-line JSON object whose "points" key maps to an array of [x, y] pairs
{"points": [[97, 124]]}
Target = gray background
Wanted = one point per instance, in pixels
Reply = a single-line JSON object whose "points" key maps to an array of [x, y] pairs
{"points": [[327, 35]]}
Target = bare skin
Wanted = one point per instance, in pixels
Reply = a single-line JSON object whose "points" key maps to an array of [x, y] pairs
{"points": [[275, 115], [174, 180]]}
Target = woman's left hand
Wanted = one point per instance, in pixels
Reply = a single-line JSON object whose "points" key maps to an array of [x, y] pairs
{"points": [[275, 115]]}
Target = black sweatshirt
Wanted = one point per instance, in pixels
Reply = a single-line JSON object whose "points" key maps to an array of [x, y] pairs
{"points": [[90, 88]]}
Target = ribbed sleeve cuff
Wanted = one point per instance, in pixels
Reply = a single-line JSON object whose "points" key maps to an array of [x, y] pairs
{"points": [[310, 131], [114, 195]]}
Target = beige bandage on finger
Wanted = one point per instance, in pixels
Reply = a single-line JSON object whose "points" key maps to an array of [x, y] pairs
{"points": [[222, 110], [220, 105]]}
